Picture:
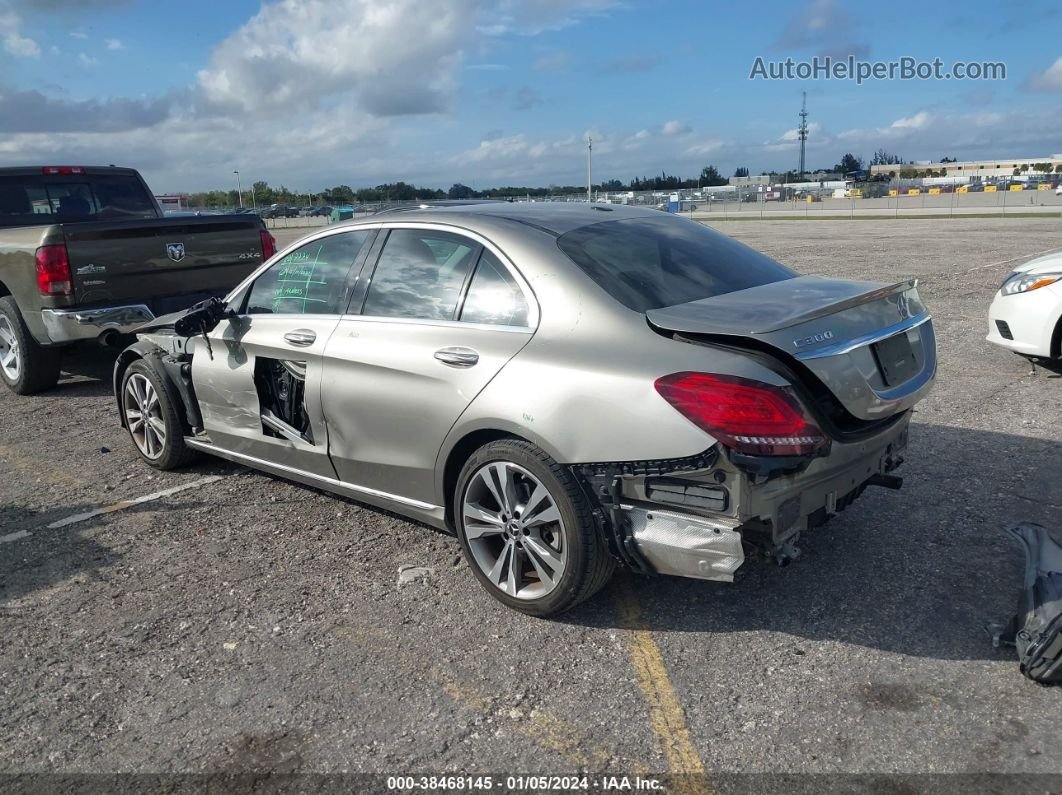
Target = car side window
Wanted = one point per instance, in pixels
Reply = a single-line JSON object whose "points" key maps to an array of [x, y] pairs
{"points": [[493, 296], [311, 280], [420, 275]]}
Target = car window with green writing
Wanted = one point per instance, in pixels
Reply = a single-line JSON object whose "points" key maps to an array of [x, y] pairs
{"points": [[311, 280]]}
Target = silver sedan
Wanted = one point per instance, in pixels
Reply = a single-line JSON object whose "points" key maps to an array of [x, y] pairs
{"points": [[565, 387]]}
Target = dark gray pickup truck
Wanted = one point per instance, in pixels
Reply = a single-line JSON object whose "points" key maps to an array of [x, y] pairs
{"points": [[86, 254]]}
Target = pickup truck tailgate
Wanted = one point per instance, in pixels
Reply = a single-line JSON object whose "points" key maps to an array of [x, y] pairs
{"points": [[114, 262]]}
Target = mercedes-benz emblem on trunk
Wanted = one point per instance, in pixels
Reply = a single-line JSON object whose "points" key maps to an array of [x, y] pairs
{"points": [[175, 251]]}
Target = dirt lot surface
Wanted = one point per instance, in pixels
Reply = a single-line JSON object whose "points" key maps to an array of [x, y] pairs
{"points": [[249, 624]]}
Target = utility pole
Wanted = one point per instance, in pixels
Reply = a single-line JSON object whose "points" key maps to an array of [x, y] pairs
{"points": [[239, 189], [802, 130], [589, 159]]}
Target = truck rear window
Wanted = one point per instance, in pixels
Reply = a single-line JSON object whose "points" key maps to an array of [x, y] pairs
{"points": [[648, 263], [34, 199]]}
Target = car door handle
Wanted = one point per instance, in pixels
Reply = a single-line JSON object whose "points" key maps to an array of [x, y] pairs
{"points": [[301, 337], [457, 357]]}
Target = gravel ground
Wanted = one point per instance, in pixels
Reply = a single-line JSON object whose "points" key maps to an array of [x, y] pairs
{"points": [[249, 624]]}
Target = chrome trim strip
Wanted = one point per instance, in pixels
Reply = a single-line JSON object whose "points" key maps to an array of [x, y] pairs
{"points": [[417, 321], [329, 483], [848, 346], [68, 325]]}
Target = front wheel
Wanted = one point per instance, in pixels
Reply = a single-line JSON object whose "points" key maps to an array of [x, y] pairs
{"points": [[151, 418], [527, 530]]}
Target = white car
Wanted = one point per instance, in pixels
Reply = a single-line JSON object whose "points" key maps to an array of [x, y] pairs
{"points": [[1058, 189], [1026, 314]]}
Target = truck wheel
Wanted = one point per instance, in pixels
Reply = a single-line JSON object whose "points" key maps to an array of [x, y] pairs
{"points": [[150, 416], [25, 366], [527, 530]]}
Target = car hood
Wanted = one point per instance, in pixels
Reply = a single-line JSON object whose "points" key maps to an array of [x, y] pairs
{"points": [[1049, 263]]}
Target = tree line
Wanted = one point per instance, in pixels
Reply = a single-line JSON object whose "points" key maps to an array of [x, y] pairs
{"points": [[262, 194]]}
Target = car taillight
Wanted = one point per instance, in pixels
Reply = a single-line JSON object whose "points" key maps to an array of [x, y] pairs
{"points": [[748, 416], [63, 170], [269, 245], [53, 271]]}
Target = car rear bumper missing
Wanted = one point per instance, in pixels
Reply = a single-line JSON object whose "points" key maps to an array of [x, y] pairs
{"points": [[682, 537]]}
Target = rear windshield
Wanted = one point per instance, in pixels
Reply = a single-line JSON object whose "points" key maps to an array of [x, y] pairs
{"points": [[31, 199], [648, 263]]}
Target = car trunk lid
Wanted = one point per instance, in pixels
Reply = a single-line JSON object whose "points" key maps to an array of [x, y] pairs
{"points": [[871, 345]]}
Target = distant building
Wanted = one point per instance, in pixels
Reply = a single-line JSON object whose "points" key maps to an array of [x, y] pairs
{"points": [[758, 179], [980, 169], [172, 202]]}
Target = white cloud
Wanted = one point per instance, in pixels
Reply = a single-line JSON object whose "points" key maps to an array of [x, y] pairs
{"points": [[291, 56], [916, 122], [522, 159], [78, 34], [86, 60], [21, 46], [968, 136], [14, 42], [391, 59], [903, 127], [1050, 79], [794, 135], [114, 44], [675, 127], [305, 87], [707, 147]]}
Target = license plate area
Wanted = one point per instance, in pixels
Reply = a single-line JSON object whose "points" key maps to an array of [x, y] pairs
{"points": [[896, 359]]}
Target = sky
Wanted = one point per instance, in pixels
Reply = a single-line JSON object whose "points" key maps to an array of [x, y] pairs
{"points": [[316, 93]]}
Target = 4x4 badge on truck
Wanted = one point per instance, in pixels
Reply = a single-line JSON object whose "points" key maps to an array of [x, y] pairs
{"points": [[175, 251]]}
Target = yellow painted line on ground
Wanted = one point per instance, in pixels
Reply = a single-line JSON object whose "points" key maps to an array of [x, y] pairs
{"points": [[666, 716], [545, 729]]}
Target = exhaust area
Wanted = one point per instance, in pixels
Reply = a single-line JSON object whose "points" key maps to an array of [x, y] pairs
{"points": [[687, 546]]}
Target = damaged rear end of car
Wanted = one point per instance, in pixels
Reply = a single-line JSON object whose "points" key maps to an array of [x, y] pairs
{"points": [[821, 412]]}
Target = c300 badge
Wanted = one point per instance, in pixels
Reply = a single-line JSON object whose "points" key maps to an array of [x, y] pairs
{"points": [[814, 339]]}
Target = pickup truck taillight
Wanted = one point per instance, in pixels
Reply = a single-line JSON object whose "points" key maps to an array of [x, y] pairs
{"points": [[748, 416], [53, 271], [64, 170], [269, 245]]}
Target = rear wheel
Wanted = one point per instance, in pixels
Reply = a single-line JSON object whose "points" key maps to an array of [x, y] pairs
{"points": [[25, 366], [151, 418], [527, 531]]}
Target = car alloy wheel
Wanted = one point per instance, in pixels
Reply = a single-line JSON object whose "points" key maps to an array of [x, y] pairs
{"points": [[514, 530], [143, 415], [10, 357]]}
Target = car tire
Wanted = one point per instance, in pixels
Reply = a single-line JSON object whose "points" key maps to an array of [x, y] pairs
{"points": [[524, 557], [159, 439], [25, 367]]}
